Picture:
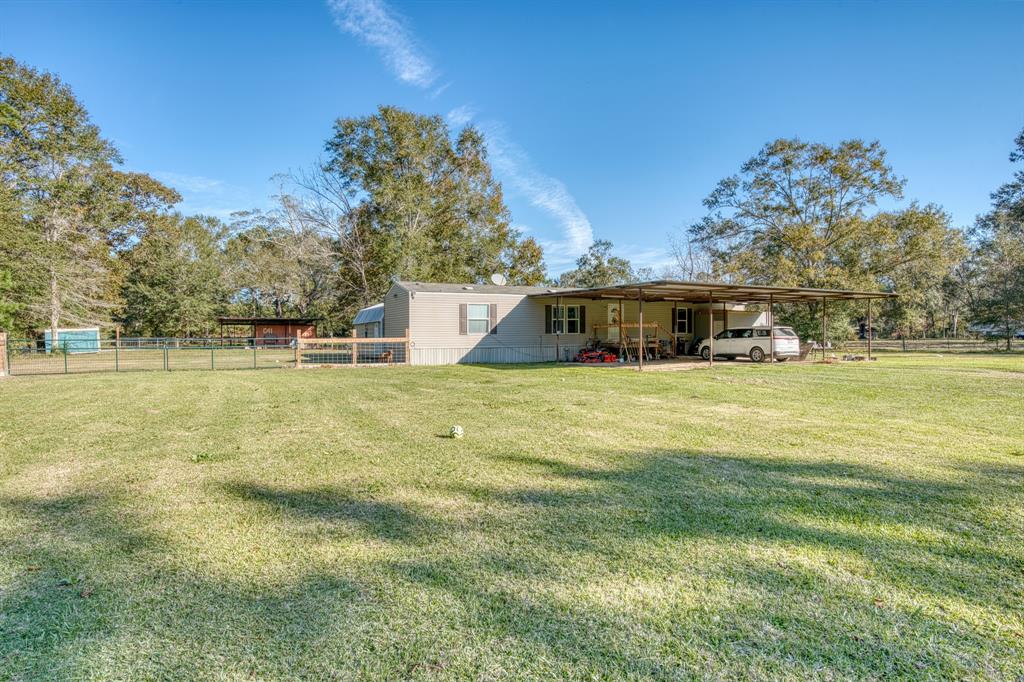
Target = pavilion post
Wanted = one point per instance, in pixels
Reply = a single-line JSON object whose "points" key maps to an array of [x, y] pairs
{"points": [[869, 329], [558, 328], [711, 328], [824, 304], [771, 326], [643, 341], [622, 341]]}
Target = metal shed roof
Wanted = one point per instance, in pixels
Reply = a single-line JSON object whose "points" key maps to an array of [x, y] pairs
{"points": [[467, 288], [699, 292], [267, 320], [370, 314]]}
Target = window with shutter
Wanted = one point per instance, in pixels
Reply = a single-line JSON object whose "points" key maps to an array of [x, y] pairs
{"points": [[566, 319], [478, 318]]}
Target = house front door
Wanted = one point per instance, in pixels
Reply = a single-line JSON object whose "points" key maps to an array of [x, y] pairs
{"points": [[613, 322]]}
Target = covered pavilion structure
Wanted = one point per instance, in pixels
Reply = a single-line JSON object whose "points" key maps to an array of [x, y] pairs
{"points": [[712, 293]]}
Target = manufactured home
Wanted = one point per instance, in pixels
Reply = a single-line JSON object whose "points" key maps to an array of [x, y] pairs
{"points": [[486, 323]]}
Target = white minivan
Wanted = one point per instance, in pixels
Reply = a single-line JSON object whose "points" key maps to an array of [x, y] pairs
{"points": [[754, 343]]}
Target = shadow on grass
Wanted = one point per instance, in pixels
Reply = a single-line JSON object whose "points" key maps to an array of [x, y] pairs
{"points": [[93, 594], [338, 510], [757, 567]]}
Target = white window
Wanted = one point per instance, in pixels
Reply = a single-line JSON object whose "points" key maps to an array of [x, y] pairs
{"points": [[478, 318], [684, 321], [565, 319]]}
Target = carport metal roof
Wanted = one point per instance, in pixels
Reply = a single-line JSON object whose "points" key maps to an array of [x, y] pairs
{"points": [[704, 292]]}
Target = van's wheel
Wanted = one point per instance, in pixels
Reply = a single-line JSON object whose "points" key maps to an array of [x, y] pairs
{"points": [[705, 353], [756, 354]]}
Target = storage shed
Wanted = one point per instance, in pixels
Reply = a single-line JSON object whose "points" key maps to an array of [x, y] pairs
{"points": [[267, 331], [85, 340], [369, 322]]}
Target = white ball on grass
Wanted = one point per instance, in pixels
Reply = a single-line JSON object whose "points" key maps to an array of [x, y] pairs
{"points": [[456, 432]]}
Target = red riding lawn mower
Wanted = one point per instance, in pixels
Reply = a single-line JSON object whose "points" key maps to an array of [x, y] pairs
{"points": [[592, 356]]}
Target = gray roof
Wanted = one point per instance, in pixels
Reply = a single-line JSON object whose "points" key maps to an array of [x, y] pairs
{"points": [[451, 288], [374, 313]]}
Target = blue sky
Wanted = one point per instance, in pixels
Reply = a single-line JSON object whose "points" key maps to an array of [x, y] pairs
{"points": [[605, 120]]}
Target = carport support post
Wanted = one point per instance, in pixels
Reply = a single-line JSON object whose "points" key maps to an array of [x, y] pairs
{"points": [[622, 342], [643, 341], [824, 303], [771, 326], [558, 330], [869, 329], [711, 328]]}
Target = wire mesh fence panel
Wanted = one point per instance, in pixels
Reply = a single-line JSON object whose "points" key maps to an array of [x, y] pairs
{"points": [[189, 358], [139, 359], [149, 354], [25, 357], [352, 352], [98, 361], [938, 345], [271, 357], [233, 357]]}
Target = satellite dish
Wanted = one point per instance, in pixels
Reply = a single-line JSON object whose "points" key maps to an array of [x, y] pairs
{"points": [[499, 279]]}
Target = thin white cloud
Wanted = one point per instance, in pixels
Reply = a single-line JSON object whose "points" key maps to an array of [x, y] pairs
{"points": [[437, 92], [646, 256], [460, 116], [543, 191], [377, 25], [190, 183]]}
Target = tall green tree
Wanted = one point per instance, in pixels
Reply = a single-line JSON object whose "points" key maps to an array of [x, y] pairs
{"points": [[276, 267], [1010, 197], [77, 210], [597, 268], [999, 274], [173, 284], [401, 197], [997, 265], [795, 212], [802, 214]]}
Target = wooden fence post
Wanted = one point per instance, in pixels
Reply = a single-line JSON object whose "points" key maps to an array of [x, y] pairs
{"points": [[298, 352], [355, 349], [408, 348], [4, 369]]}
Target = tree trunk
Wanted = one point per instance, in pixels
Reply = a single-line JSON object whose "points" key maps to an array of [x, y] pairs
{"points": [[54, 309]]}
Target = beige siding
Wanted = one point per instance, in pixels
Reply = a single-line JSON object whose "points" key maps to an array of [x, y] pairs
{"points": [[433, 320], [396, 312]]}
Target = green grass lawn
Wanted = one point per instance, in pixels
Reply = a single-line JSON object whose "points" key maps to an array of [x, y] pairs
{"points": [[795, 521]]}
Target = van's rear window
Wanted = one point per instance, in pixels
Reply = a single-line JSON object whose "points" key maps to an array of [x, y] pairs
{"points": [[785, 331]]}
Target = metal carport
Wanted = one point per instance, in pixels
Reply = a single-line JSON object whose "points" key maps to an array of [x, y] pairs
{"points": [[719, 292]]}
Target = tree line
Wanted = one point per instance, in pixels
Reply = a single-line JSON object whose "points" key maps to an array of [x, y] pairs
{"points": [[400, 195], [397, 195]]}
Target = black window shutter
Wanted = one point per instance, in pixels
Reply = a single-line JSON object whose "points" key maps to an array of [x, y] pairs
{"points": [[463, 319], [583, 319], [547, 319], [494, 317]]}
